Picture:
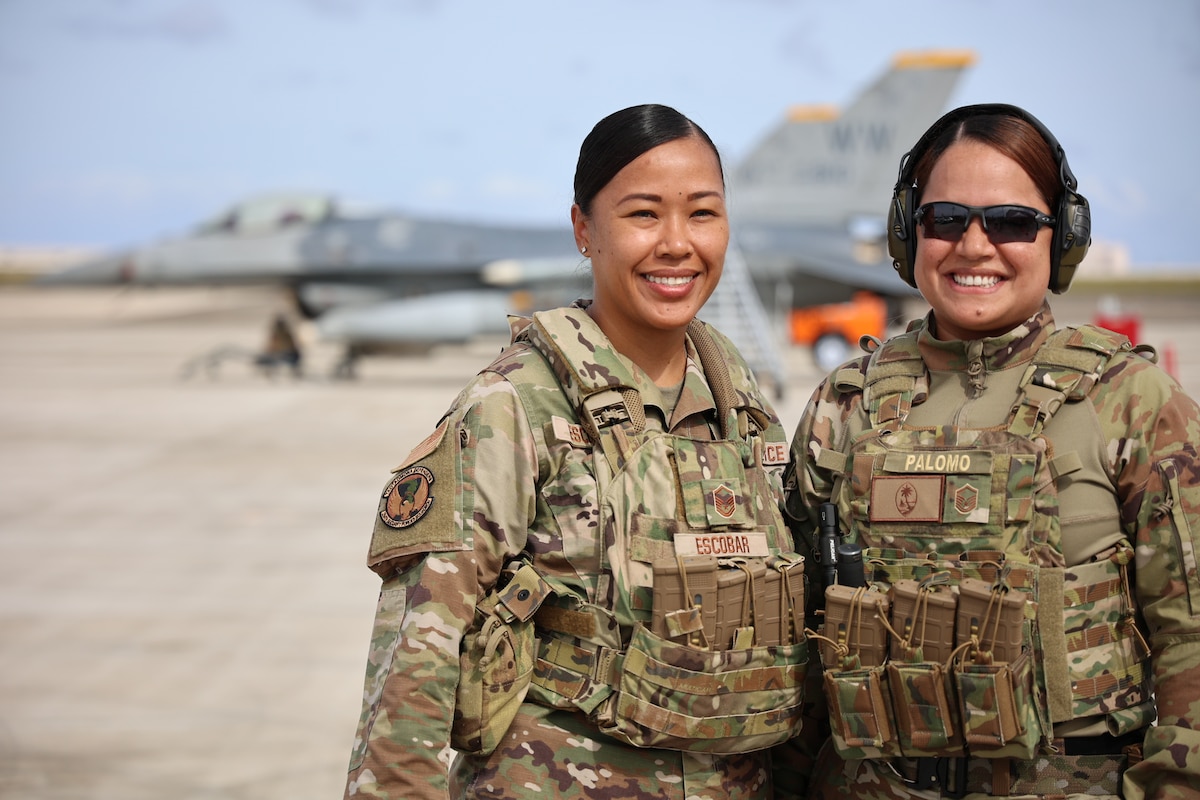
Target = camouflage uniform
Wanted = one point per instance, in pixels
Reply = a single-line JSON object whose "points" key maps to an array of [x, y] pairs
{"points": [[1131, 484], [484, 495]]}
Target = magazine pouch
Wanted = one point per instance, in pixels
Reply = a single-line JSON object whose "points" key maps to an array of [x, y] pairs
{"points": [[860, 713], [998, 708], [924, 713]]}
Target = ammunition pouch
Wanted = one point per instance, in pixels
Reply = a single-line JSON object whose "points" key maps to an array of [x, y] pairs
{"points": [[888, 697], [860, 712], [729, 603], [655, 692], [854, 650], [496, 661], [999, 708]]}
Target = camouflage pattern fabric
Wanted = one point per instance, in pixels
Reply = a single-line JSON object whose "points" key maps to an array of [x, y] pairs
{"points": [[485, 488], [1068, 778], [1137, 480]]}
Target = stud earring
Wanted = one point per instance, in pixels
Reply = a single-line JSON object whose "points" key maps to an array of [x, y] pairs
{"points": [[583, 251]]}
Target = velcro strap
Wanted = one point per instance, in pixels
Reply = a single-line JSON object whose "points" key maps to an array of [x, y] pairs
{"points": [[1065, 464], [849, 379], [579, 624], [651, 551], [892, 384], [1079, 358], [832, 460]]}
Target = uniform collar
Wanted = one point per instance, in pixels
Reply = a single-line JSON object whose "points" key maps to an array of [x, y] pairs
{"points": [[695, 397], [1014, 348]]}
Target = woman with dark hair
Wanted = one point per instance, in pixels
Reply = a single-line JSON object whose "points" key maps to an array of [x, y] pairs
{"points": [[1017, 506], [588, 588]]}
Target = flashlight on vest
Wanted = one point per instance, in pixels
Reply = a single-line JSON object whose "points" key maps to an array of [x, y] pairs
{"points": [[850, 571], [827, 541]]}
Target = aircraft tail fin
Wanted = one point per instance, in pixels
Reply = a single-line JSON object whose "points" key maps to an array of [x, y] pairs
{"points": [[819, 165]]}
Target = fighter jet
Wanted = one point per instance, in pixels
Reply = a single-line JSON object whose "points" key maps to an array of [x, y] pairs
{"points": [[797, 203], [809, 203]]}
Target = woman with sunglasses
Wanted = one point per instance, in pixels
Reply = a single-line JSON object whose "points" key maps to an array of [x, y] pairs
{"points": [[1016, 608]]}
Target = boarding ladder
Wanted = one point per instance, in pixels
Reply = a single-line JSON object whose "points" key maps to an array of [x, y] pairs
{"points": [[736, 310]]}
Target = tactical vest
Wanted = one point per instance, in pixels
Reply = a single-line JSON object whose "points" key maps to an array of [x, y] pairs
{"points": [[970, 635], [676, 618]]}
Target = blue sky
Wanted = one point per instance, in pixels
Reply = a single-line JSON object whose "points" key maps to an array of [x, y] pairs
{"points": [[127, 120]]}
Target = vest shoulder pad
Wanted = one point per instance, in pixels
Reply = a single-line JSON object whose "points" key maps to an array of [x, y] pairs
{"points": [[1093, 337], [741, 376], [895, 367], [1075, 357]]}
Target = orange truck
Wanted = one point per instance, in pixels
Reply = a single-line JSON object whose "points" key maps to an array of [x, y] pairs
{"points": [[833, 330]]}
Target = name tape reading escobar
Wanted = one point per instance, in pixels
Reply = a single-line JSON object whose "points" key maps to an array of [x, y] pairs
{"points": [[749, 543]]}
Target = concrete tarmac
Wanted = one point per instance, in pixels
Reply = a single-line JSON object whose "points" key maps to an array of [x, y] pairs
{"points": [[184, 606]]}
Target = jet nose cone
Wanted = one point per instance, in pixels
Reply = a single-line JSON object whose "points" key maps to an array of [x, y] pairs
{"points": [[102, 271]]}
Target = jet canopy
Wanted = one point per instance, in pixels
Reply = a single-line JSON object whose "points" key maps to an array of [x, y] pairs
{"points": [[269, 213]]}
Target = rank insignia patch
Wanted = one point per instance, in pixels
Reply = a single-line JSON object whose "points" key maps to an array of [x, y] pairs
{"points": [[407, 498], [966, 499], [724, 501]]}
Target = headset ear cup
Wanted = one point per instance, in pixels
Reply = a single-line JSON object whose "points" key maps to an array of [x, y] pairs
{"points": [[1072, 237], [902, 234], [1072, 231]]}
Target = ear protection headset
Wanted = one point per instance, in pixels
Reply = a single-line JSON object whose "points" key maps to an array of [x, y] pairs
{"points": [[1072, 229]]}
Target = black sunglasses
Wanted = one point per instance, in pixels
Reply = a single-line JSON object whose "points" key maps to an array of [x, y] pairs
{"points": [[1003, 224]]}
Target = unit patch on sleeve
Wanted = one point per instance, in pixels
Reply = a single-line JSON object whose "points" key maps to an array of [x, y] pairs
{"points": [[407, 498]]}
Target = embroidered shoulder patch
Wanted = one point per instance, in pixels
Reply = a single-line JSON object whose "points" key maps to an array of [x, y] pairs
{"points": [[407, 498], [416, 512]]}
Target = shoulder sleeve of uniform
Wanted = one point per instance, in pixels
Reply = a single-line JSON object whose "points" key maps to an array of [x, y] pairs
{"points": [[1170, 768], [1151, 427], [1146, 417], [476, 471], [818, 446]]}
